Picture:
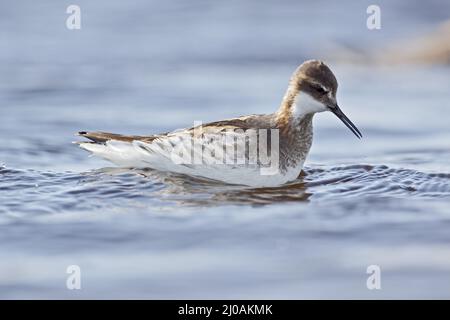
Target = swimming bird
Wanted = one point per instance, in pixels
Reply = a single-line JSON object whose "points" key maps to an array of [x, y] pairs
{"points": [[259, 150]]}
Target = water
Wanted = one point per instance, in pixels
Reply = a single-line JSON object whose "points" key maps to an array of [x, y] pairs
{"points": [[153, 67]]}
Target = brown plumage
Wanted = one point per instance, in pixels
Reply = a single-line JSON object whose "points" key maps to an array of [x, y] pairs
{"points": [[102, 137]]}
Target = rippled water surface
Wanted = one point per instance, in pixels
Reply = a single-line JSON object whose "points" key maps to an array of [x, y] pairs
{"points": [[384, 200]]}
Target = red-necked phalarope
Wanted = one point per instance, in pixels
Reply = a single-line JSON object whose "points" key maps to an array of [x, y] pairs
{"points": [[287, 139]]}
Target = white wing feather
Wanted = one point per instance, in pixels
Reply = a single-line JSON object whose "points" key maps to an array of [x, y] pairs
{"points": [[207, 161]]}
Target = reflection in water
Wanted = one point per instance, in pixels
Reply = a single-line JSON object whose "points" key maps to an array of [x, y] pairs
{"points": [[314, 183], [63, 191], [188, 190]]}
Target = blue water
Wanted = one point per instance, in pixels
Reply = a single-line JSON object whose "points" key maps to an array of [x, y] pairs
{"points": [[147, 67]]}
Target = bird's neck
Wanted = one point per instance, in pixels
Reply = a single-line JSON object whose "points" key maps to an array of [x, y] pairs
{"points": [[294, 110], [294, 122]]}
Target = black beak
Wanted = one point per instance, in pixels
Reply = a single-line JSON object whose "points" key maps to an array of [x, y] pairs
{"points": [[338, 112]]}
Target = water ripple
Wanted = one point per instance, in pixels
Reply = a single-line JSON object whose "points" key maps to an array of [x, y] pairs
{"points": [[43, 192]]}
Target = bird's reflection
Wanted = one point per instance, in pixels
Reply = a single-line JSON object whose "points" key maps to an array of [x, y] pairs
{"points": [[188, 190]]}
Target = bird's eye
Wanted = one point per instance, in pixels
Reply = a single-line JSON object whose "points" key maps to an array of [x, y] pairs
{"points": [[321, 90]]}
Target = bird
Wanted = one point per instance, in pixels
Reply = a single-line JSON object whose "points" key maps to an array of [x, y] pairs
{"points": [[258, 150]]}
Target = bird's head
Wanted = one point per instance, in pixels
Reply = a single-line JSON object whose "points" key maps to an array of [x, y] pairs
{"points": [[313, 88]]}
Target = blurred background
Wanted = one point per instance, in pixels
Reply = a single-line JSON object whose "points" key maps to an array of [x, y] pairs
{"points": [[145, 66], [142, 67]]}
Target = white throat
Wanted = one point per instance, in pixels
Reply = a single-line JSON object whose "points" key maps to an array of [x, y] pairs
{"points": [[305, 104]]}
